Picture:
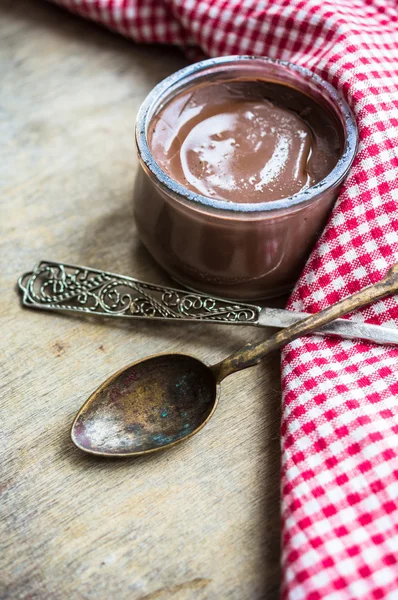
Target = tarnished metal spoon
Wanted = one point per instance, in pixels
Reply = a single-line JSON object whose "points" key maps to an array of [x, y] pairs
{"points": [[157, 402]]}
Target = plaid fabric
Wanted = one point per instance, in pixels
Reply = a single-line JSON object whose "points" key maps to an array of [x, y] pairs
{"points": [[340, 422]]}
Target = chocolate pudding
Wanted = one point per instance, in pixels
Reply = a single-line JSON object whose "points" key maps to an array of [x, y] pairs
{"points": [[242, 159], [245, 141]]}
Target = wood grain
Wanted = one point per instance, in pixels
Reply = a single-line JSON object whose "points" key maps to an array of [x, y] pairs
{"points": [[198, 522]]}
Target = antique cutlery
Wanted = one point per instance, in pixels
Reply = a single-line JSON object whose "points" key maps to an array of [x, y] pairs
{"points": [[159, 401], [64, 287]]}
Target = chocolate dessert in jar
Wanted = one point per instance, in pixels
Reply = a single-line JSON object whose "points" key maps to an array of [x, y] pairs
{"points": [[241, 161]]}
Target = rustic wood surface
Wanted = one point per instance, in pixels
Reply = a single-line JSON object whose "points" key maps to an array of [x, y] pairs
{"points": [[198, 522]]}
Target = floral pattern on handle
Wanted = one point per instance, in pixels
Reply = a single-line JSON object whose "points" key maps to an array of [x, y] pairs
{"points": [[60, 286]]}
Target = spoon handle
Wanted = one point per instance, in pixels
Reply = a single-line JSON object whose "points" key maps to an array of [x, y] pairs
{"points": [[61, 286], [251, 354]]}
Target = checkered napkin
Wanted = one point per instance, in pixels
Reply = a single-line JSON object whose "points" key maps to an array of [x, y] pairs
{"points": [[340, 416]]}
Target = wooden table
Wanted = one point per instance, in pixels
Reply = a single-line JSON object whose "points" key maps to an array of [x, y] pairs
{"points": [[198, 522]]}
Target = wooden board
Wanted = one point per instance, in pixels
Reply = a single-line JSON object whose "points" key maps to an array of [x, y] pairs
{"points": [[198, 522]]}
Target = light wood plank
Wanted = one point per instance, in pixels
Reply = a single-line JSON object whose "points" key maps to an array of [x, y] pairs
{"points": [[198, 522]]}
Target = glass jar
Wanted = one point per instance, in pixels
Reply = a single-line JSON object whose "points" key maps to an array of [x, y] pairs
{"points": [[235, 250]]}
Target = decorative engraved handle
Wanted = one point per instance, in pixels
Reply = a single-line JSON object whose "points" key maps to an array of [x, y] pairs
{"points": [[60, 286]]}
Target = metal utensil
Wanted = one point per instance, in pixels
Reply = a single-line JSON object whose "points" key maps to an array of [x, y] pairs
{"points": [[155, 403], [64, 287]]}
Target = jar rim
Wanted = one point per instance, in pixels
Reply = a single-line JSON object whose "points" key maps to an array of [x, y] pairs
{"points": [[336, 175]]}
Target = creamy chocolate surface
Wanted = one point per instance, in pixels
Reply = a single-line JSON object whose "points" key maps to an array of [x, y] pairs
{"points": [[245, 141]]}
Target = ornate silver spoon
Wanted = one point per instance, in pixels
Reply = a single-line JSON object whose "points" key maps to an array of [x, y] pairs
{"points": [[155, 403], [58, 286]]}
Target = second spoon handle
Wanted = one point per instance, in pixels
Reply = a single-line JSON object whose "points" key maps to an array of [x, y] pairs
{"points": [[251, 354]]}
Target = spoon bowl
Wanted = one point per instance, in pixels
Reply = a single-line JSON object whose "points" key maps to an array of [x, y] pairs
{"points": [[164, 399], [146, 406]]}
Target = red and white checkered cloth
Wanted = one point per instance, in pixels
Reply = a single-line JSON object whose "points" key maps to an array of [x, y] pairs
{"points": [[340, 416]]}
